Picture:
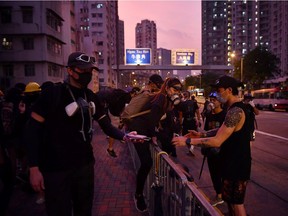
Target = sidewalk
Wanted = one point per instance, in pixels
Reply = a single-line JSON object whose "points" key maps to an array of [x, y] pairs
{"points": [[114, 184]]}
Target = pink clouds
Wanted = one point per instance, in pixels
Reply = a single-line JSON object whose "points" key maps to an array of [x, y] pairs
{"points": [[178, 22]]}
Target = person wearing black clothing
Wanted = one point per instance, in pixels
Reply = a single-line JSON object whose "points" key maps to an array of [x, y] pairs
{"points": [[168, 126], [234, 138], [190, 110], [214, 120], [113, 101], [252, 112], [58, 137], [145, 125]]}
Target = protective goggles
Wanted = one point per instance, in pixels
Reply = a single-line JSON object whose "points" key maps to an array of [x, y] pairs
{"points": [[85, 58], [177, 88]]}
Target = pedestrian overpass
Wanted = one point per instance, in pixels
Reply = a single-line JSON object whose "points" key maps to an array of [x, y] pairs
{"points": [[171, 67]]}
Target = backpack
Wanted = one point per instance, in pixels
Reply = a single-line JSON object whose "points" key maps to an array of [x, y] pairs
{"points": [[136, 105], [8, 118]]}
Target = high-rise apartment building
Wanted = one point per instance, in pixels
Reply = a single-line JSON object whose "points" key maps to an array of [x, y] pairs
{"points": [[146, 37], [239, 26], [99, 22], [36, 38]]}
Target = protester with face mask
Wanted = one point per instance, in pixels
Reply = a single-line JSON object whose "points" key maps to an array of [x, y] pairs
{"points": [[191, 117], [233, 138], [214, 119], [145, 125], [58, 137]]}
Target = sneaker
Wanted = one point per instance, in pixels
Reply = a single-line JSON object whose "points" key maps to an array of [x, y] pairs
{"points": [[111, 153], [140, 203], [217, 201]]}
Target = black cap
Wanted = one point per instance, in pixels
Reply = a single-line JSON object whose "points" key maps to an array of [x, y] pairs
{"points": [[157, 80], [226, 82], [81, 60]]}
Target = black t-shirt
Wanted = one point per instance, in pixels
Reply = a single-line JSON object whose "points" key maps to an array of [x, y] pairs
{"points": [[235, 152], [188, 109], [67, 139], [214, 120]]}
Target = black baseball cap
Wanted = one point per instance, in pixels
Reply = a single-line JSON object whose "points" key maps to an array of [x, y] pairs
{"points": [[81, 60], [227, 82], [157, 80]]}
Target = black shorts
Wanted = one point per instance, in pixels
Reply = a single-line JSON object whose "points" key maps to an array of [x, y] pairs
{"points": [[233, 192]]}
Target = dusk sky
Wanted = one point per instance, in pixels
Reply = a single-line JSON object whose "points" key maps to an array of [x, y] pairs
{"points": [[178, 22]]}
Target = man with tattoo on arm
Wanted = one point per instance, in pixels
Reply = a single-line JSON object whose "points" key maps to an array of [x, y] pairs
{"points": [[233, 138]]}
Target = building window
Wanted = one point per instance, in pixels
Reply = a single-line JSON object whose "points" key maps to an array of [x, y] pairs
{"points": [[8, 70], [100, 5], [94, 24], [27, 14], [28, 43], [6, 14], [97, 33], [99, 43], [29, 70], [54, 46], [53, 20], [7, 43], [54, 70]]}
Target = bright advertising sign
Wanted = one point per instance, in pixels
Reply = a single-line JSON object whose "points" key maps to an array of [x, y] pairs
{"points": [[138, 56], [185, 58]]}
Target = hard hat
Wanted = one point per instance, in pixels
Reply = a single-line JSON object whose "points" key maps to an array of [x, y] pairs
{"points": [[32, 87]]}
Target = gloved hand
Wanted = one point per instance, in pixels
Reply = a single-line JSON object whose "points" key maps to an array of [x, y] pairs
{"points": [[252, 103]]}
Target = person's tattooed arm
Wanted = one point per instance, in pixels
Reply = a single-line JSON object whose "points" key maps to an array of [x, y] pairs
{"points": [[233, 117]]}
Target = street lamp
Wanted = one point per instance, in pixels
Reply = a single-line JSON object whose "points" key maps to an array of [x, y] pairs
{"points": [[241, 72]]}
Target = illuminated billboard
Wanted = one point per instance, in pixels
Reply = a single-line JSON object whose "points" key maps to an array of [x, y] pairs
{"points": [[184, 57], [138, 56]]}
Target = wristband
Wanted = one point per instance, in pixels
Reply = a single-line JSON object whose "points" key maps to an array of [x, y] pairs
{"points": [[188, 142]]}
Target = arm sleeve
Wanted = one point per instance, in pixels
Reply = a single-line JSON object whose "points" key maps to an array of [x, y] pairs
{"points": [[109, 129], [104, 121], [32, 138]]}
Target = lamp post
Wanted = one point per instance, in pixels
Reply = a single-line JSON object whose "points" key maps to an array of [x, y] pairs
{"points": [[241, 72]]}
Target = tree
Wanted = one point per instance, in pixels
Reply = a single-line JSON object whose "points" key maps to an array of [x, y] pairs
{"points": [[206, 80], [258, 65]]}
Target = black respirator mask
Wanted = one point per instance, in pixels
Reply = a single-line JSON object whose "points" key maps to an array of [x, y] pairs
{"points": [[84, 78], [175, 99]]}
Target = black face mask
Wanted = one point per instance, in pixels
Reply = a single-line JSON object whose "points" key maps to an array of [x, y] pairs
{"points": [[84, 78]]}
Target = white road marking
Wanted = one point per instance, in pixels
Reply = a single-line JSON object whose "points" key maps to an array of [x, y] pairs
{"points": [[272, 135]]}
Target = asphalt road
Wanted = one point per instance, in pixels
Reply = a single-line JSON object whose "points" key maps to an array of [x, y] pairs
{"points": [[267, 191]]}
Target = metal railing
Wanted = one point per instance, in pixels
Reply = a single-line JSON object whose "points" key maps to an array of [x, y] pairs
{"points": [[167, 190]]}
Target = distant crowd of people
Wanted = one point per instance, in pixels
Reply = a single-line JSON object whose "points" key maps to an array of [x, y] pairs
{"points": [[46, 135]]}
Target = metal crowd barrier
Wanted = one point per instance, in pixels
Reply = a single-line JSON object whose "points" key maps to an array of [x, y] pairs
{"points": [[167, 190]]}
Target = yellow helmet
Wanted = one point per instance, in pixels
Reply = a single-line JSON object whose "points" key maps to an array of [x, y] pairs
{"points": [[32, 87]]}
